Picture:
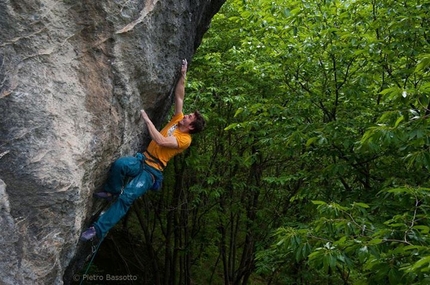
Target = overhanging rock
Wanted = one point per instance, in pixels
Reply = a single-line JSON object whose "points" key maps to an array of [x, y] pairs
{"points": [[73, 76]]}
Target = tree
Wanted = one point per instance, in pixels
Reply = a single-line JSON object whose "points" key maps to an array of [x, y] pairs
{"points": [[314, 166]]}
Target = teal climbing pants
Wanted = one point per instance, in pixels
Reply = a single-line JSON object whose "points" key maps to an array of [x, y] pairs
{"points": [[142, 176]]}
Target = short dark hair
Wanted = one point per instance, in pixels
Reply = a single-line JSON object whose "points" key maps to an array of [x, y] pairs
{"points": [[198, 124]]}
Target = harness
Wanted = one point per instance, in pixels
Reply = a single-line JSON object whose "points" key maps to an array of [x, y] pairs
{"points": [[154, 159], [157, 181]]}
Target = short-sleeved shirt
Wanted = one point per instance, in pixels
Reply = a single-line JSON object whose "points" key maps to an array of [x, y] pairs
{"points": [[164, 154]]}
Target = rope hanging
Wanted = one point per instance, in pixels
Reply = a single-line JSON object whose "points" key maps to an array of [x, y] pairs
{"points": [[94, 252]]}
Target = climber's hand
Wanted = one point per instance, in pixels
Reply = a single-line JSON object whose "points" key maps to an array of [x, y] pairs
{"points": [[144, 115], [184, 67]]}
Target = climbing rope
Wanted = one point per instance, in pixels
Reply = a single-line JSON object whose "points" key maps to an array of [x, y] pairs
{"points": [[94, 250]]}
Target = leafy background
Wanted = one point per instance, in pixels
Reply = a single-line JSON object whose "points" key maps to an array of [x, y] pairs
{"points": [[314, 167]]}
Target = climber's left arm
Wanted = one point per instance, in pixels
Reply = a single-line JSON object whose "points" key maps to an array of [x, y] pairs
{"points": [[156, 136]]}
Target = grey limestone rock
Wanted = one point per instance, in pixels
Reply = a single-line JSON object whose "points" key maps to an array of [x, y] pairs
{"points": [[73, 76]]}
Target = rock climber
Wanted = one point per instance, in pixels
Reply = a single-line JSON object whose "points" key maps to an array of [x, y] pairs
{"points": [[146, 170]]}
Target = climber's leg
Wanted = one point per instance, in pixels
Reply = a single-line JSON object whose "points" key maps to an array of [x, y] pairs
{"points": [[136, 188], [121, 169]]}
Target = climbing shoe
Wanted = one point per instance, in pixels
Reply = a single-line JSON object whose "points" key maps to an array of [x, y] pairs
{"points": [[89, 234], [104, 195]]}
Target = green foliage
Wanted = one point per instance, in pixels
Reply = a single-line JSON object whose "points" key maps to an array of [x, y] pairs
{"points": [[330, 99], [364, 242], [314, 167]]}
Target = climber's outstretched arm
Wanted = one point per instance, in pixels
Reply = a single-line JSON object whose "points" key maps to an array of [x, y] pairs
{"points": [[180, 88]]}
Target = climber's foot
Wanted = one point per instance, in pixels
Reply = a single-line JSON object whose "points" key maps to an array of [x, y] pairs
{"points": [[89, 234], [104, 195]]}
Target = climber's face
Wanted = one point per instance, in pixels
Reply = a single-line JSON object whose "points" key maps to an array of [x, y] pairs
{"points": [[187, 120]]}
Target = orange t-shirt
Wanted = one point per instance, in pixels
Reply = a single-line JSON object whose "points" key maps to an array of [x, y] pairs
{"points": [[164, 154]]}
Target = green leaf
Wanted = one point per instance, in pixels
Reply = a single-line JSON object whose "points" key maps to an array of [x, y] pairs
{"points": [[423, 229], [423, 64], [392, 92], [398, 121], [375, 241], [311, 141], [424, 261], [318, 202], [361, 205]]}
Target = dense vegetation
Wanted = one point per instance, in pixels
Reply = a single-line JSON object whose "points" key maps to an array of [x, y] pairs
{"points": [[314, 168]]}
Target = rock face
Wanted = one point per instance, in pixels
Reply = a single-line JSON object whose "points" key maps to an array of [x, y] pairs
{"points": [[73, 76]]}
